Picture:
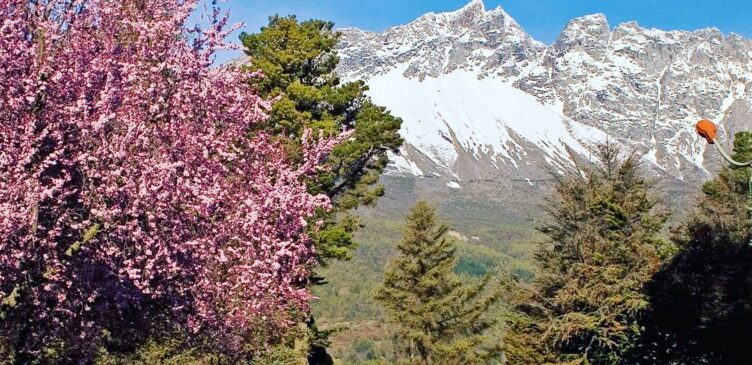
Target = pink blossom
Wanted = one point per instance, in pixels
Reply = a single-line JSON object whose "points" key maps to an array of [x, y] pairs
{"points": [[129, 176]]}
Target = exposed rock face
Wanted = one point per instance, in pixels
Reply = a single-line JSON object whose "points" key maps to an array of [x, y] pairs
{"points": [[487, 42], [644, 88]]}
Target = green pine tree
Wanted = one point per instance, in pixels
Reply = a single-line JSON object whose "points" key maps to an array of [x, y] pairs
{"points": [[604, 246], [298, 60], [439, 318]]}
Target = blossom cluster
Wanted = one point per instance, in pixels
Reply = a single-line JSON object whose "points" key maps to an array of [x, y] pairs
{"points": [[131, 174]]}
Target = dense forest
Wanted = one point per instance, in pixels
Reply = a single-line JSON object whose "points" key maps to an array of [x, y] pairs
{"points": [[156, 208]]}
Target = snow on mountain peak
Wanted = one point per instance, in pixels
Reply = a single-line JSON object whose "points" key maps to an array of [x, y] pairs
{"points": [[455, 77], [490, 43], [587, 25], [474, 6], [458, 114]]}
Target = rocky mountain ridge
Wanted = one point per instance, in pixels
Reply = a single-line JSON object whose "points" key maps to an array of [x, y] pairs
{"points": [[484, 101]]}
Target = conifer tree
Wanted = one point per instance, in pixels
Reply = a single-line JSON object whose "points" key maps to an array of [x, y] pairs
{"points": [[440, 319], [298, 61], [702, 299], [603, 247]]}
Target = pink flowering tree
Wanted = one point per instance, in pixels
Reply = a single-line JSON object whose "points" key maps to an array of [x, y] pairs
{"points": [[132, 190]]}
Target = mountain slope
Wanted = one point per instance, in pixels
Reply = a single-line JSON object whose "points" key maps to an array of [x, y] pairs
{"points": [[458, 122]]}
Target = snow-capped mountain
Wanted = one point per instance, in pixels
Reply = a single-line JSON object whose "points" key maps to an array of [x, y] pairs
{"points": [[482, 100]]}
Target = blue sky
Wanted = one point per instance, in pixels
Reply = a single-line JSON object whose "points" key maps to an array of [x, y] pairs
{"points": [[542, 19]]}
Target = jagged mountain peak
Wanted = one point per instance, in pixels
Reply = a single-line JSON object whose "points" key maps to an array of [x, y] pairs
{"points": [[643, 87], [477, 7], [589, 32], [712, 34], [588, 24], [471, 38], [472, 6], [597, 19], [473, 15]]}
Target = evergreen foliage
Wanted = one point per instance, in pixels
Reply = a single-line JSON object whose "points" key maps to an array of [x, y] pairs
{"points": [[298, 60], [604, 246], [702, 299], [440, 319]]}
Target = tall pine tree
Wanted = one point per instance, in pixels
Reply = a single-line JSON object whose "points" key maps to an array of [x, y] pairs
{"points": [[439, 318], [298, 61], [702, 299], [603, 247]]}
